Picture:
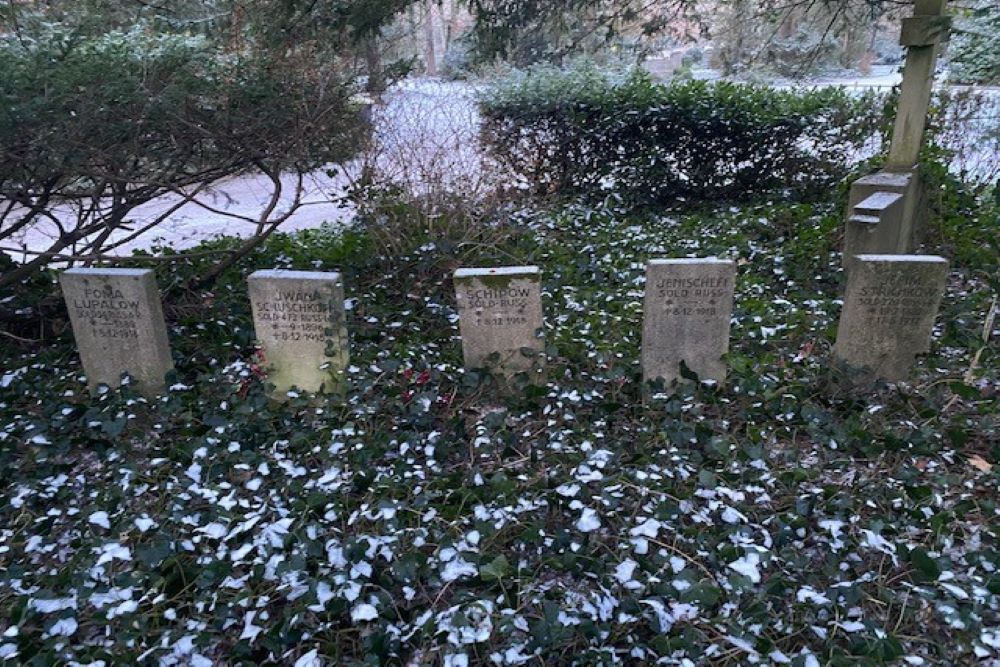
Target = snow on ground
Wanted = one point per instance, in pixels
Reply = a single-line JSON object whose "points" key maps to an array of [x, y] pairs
{"points": [[426, 133], [191, 223], [426, 130]]}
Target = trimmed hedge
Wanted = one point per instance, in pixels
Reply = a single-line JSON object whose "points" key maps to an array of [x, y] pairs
{"points": [[583, 131]]}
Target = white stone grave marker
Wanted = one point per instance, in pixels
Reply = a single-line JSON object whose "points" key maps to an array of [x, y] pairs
{"points": [[301, 329], [686, 313], [500, 319], [889, 311], [118, 325]]}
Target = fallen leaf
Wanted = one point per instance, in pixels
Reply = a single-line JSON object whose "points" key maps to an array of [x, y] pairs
{"points": [[980, 463]]}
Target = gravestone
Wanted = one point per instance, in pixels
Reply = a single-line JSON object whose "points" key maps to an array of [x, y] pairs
{"points": [[888, 315], [500, 319], [896, 231], [686, 313], [301, 329], [118, 325], [923, 35]]}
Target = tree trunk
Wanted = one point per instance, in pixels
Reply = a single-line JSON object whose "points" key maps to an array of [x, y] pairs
{"points": [[430, 58], [449, 23], [373, 64]]}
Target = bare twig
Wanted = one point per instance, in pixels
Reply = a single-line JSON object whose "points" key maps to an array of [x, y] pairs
{"points": [[991, 315], [102, 257]]}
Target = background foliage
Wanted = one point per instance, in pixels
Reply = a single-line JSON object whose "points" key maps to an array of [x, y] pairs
{"points": [[974, 50], [95, 126], [581, 130]]}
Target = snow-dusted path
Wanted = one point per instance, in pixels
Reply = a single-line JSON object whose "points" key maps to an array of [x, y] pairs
{"points": [[425, 130]]}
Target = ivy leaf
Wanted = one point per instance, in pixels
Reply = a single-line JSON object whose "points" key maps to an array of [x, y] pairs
{"points": [[926, 565], [496, 569], [703, 593], [965, 391], [687, 373]]}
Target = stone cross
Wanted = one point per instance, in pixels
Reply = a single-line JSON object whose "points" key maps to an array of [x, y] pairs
{"points": [[118, 326], [500, 319], [686, 312], [922, 35], [888, 314], [300, 326]]}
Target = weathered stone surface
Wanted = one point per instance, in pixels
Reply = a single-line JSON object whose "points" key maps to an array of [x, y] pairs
{"points": [[922, 35], [874, 226], [888, 315], [899, 226], [924, 30], [299, 320], [686, 314], [500, 313], [118, 325]]}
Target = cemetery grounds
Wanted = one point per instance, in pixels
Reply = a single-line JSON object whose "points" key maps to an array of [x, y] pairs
{"points": [[428, 520]]}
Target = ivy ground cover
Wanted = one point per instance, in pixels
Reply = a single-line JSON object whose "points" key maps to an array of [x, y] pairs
{"points": [[429, 521]]}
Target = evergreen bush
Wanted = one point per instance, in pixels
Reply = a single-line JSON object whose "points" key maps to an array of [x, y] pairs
{"points": [[974, 51], [580, 130], [94, 126]]}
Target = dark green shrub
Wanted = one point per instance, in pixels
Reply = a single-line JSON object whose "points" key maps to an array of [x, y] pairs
{"points": [[974, 51], [583, 131], [94, 126]]}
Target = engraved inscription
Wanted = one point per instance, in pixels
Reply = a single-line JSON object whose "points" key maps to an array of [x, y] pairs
{"points": [[694, 296], [506, 305], [897, 305], [108, 313], [514, 297], [500, 321], [299, 315]]}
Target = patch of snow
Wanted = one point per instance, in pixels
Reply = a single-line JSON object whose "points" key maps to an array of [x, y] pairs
{"points": [[588, 521], [363, 612], [747, 566], [310, 659], [457, 568]]}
